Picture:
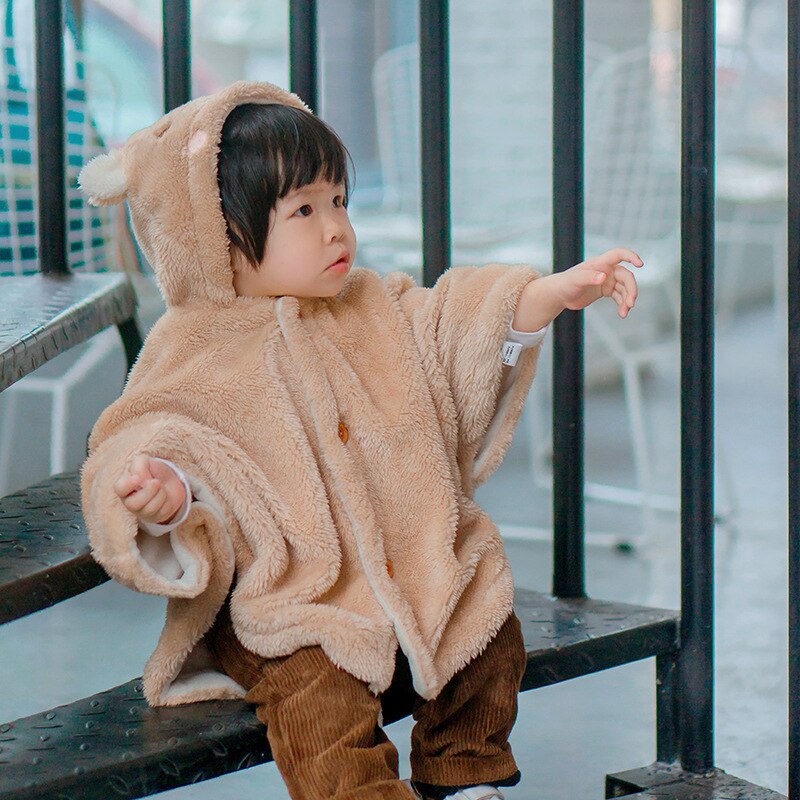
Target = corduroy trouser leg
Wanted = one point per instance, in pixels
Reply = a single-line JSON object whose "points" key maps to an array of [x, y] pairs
{"points": [[322, 723], [460, 737]]}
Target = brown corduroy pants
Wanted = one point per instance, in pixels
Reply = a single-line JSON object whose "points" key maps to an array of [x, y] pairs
{"points": [[323, 724]]}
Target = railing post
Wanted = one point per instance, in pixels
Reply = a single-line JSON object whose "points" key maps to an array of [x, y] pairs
{"points": [[696, 674], [303, 70], [177, 59], [568, 516], [50, 137], [794, 394], [434, 93]]}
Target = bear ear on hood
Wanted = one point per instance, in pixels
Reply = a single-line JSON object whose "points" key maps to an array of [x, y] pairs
{"points": [[103, 179]]}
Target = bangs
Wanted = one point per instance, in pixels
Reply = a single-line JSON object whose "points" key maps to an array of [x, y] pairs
{"points": [[308, 151], [267, 151]]}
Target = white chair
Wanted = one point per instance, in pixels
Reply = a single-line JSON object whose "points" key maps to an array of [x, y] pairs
{"points": [[632, 196]]}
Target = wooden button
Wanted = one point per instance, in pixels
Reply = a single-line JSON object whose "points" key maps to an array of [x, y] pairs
{"points": [[343, 432], [389, 568]]}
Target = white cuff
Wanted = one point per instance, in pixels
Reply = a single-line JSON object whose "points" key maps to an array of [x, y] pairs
{"points": [[516, 341], [153, 528], [526, 338]]}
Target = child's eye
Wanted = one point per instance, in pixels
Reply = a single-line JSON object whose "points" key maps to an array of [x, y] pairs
{"points": [[339, 202], [303, 211]]}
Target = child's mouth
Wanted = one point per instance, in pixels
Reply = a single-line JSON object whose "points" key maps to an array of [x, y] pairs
{"points": [[342, 265]]}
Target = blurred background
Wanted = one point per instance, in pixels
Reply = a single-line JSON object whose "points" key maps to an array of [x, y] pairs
{"points": [[500, 96]]}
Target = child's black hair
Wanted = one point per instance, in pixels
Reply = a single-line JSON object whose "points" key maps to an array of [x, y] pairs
{"points": [[267, 151]]}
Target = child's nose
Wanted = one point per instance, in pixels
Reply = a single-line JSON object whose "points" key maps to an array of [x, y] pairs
{"points": [[334, 228]]}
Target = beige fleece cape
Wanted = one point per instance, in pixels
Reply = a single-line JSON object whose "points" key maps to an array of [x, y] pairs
{"points": [[335, 443]]}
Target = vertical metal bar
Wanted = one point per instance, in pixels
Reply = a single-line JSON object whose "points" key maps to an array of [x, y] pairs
{"points": [[568, 520], [303, 71], [696, 680], [794, 396], [131, 340], [50, 137], [177, 58], [667, 723], [434, 74]]}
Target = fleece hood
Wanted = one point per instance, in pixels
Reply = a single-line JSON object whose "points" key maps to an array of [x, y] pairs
{"points": [[168, 174]]}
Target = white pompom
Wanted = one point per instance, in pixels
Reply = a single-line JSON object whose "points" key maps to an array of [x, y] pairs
{"points": [[104, 180]]}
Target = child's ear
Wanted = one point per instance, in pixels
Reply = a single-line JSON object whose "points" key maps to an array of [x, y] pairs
{"points": [[104, 180]]}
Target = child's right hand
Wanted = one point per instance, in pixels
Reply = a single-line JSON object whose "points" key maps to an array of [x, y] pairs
{"points": [[151, 490]]}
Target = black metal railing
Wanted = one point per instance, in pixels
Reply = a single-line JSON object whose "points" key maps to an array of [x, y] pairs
{"points": [[51, 156], [177, 50], [49, 22], [696, 665], [568, 457], [434, 93], [303, 71]]}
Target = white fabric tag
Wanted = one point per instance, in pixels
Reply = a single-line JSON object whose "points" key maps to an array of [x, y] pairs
{"points": [[511, 351]]}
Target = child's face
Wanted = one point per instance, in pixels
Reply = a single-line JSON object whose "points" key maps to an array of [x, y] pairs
{"points": [[310, 246]]}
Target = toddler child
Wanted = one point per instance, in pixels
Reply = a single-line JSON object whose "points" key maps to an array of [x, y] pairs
{"points": [[294, 457]]}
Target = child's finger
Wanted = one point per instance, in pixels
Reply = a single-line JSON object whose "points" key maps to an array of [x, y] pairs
{"points": [[623, 273], [622, 305], [126, 485], [627, 279], [139, 499], [135, 501], [633, 293], [153, 505], [153, 509], [618, 254], [140, 466], [622, 291]]}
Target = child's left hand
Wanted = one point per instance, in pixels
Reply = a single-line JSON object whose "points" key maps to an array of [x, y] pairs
{"points": [[601, 276]]}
